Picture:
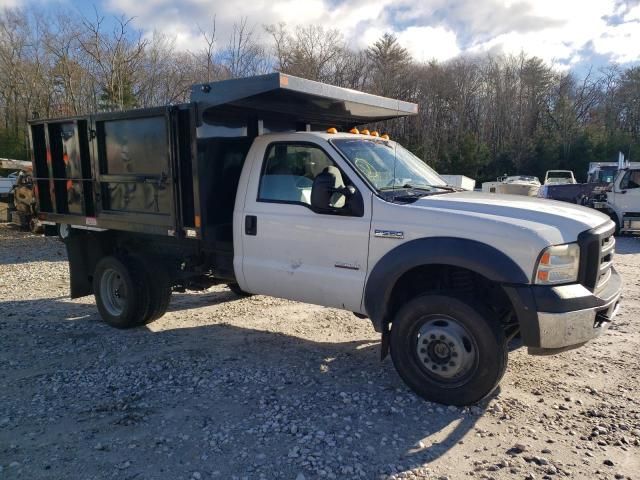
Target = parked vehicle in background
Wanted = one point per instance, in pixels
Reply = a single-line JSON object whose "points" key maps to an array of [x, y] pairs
{"points": [[6, 185], [514, 185], [460, 181], [559, 177], [247, 186], [605, 172], [23, 204], [622, 200]]}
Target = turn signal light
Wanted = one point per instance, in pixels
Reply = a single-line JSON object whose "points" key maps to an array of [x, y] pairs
{"points": [[332, 130], [354, 130]]}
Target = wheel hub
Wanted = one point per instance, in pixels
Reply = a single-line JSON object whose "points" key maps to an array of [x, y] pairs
{"points": [[113, 292], [444, 349]]}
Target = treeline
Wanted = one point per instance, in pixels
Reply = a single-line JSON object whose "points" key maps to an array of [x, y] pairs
{"points": [[479, 116]]}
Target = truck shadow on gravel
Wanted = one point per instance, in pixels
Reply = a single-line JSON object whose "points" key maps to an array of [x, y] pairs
{"points": [[627, 245], [242, 400]]}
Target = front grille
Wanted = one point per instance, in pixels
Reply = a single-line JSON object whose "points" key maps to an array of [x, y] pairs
{"points": [[607, 250], [597, 248]]}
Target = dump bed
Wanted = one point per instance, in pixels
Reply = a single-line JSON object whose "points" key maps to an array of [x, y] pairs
{"points": [[113, 170], [173, 170]]}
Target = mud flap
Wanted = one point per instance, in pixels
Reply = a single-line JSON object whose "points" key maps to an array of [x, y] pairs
{"points": [[384, 344]]}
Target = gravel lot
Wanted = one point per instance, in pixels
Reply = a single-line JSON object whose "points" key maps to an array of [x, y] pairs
{"points": [[223, 387]]}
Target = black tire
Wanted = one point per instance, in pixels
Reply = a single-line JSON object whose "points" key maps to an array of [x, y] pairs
{"points": [[235, 288], [159, 283], [613, 216], [448, 350], [121, 292]]}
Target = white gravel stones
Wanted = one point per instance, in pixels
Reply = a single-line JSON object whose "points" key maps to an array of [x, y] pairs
{"points": [[223, 387]]}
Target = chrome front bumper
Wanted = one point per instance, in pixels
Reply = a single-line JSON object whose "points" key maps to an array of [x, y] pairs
{"points": [[553, 319], [560, 330]]}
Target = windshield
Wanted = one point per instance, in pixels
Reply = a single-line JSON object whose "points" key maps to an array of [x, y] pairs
{"points": [[388, 165]]}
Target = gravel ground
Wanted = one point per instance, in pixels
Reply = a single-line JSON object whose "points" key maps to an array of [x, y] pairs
{"points": [[223, 387]]}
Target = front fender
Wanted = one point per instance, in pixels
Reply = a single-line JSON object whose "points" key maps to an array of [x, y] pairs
{"points": [[459, 252]]}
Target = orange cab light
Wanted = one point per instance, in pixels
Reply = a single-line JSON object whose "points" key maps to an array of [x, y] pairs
{"points": [[365, 132], [332, 130], [384, 136], [354, 130], [375, 134]]}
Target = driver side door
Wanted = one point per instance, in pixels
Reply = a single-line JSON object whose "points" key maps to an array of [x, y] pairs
{"points": [[291, 251]]}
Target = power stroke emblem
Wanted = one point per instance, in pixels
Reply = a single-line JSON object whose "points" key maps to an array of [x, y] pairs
{"points": [[389, 234]]}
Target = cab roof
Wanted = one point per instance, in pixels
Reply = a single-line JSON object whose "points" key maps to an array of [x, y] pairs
{"points": [[297, 99]]}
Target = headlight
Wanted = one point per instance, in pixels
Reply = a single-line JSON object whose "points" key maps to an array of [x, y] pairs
{"points": [[558, 264]]}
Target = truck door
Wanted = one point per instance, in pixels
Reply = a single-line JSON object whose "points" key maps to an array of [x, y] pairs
{"points": [[289, 250], [627, 193]]}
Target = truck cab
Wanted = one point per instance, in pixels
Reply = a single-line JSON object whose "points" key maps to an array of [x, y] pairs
{"points": [[272, 186], [622, 200]]}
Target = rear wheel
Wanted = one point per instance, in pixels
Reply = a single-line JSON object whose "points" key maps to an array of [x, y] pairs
{"points": [[159, 284], [447, 350], [121, 292]]}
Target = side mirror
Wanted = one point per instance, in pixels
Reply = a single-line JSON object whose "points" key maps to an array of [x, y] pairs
{"points": [[329, 194]]}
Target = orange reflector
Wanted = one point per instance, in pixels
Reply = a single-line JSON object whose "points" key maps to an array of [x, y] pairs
{"points": [[545, 259], [197, 221], [375, 134], [69, 184], [332, 130], [65, 158], [384, 136], [365, 132], [543, 275], [354, 130]]}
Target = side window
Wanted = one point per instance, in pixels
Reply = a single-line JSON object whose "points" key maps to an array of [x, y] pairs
{"points": [[289, 170], [631, 180]]}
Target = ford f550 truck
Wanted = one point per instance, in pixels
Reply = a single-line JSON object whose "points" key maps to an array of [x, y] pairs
{"points": [[266, 184]]}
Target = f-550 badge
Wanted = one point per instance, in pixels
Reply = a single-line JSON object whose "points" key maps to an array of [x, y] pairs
{"points": [[389, 234]]}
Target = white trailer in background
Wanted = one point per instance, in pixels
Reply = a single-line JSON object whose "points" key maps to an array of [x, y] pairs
{"points": [[460, 181]]}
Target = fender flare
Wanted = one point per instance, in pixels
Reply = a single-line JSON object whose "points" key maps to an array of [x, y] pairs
{"points": [[459, 252]]}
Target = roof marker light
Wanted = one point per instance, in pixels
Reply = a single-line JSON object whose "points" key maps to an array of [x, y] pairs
{"points": [[384, 136], [332, 130], [375, 134], [365, 132], [354, 130]]}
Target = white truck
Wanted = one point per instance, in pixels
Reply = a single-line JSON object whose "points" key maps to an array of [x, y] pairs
{"points": [[247, 186], [621, 201]]}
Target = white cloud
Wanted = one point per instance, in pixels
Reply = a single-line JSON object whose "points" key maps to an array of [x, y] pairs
{"points": [[573, 26], [558, 31], [428, 43]]}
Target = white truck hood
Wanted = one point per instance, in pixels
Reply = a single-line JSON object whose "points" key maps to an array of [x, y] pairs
{"points": [[570, 219], [518, 226]]}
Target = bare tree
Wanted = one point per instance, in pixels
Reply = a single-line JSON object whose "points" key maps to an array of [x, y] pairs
{"points": [[116, 58]]}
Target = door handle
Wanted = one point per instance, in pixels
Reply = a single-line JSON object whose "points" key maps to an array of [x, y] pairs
{"points": [[251, 225]]}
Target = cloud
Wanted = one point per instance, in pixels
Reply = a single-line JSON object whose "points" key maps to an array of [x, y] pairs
{"points": [[563, 32], [428, 43]]}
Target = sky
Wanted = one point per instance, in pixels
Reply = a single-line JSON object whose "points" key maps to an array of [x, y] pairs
{"points": [[565, 33]]}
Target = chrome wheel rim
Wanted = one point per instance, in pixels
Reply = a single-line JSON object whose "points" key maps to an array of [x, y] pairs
{"points": [[113, 292], [445, 349]]}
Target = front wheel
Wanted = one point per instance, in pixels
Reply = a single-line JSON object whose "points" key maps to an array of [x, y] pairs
{"points": [[448, 350], [235, 288]]}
